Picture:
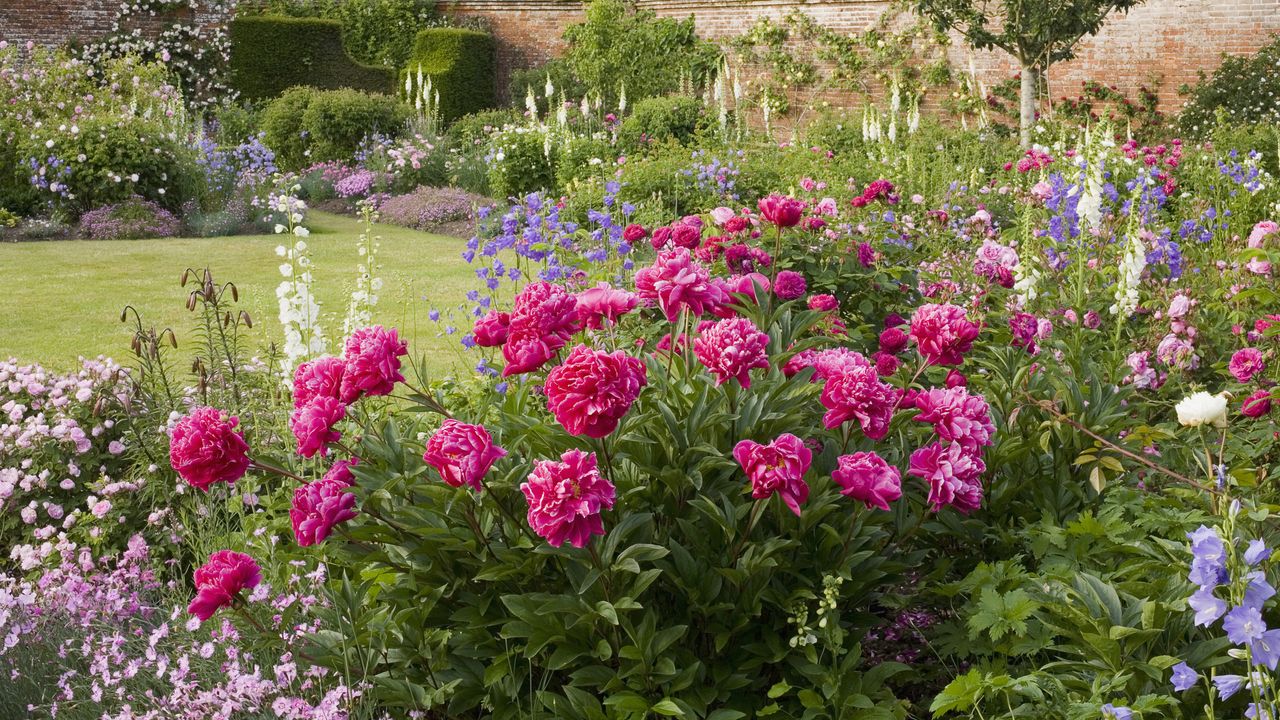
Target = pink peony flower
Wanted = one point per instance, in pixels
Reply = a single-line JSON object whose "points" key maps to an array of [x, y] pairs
{"points": [[780, 210], [1246, 363], [317, 507], [220, 579], [1260, 233], [544, 318], [1257, 404], [373, 363], [206, 448], [745, 285], [943, 333], [1024, 327], [957, 416], [732, 349], [867, 477], [677, 283], [1092, 320], [857, 393], [954, 475], [604, 302], [312, 425], [893, 340], [341, 472], [955, 378], [778, 467], [462, 453], [886, 364], [492, 329], [634, 233], [320, 377], [823, 303], [566, 498], [661, 238], [789, 285], [833, 362], [686, 236], [591, 392]]}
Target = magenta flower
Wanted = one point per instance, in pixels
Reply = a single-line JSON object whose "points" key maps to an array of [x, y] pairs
{"points": [[526, 351], [954, 475], [1246, 363], [686, 236], [865, 476], [220, 580], [1024, 327], [320, 377], [957, 416], [778, 467], [566, 498], [206, 448], [319, 506], [602, 303], [1257, 404], [676, 282], [340, 472], [634, 233], [823, 303], [943, 333], [746, 285], [893, 340], [544, 318], [857, 393], [781, 210], [462, 453], [789, 285], [592, 390], [312, 425], [732, 349], [492, 329], [373, 363]]}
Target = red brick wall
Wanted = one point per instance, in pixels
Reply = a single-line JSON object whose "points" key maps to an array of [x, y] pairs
{"points": [[54, 22], [1166, 39]]}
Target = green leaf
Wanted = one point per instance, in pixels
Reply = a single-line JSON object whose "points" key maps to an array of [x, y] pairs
{"points": [[779, 689], [627, 702], [959, 695], [668, 708]]}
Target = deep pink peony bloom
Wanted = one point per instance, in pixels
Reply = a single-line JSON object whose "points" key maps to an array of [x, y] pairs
{"points": [[373, 363], [732, 349], [955, 378], [1260, 233], [857, 393], [894, 320], [220, 580], [677, 283], [312, 425], [317, 507], [206, 448], [341, 472], [954, 475], [867, 477], [823, 303], [781, 210], [833, 362], [778, 467], [742, 285], [661, 238], [1246, 363], [462, 453], [1024, 328], [566, 498], [1257, 404], [686, 236], [591, 392], [943, 333], [634, 233], [525, 351], [789, 285], [493, 329], [544, 318], [893, 340], [957, 416], [322, 376], [604, 302], [886, 364]]}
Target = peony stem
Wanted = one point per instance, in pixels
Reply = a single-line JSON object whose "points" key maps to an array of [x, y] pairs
{"points": [[751, 523], [258, 464]]}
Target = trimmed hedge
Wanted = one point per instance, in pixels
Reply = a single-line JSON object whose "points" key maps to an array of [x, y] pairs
{"points": [[272, 53], [305, 125], [462, 66]]}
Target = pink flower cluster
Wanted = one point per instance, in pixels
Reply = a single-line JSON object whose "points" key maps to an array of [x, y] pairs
{"points": [[566, 498], [942, 333]]}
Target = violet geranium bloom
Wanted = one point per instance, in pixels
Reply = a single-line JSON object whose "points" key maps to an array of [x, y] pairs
{"points": [[778, 467], [566, 498]]}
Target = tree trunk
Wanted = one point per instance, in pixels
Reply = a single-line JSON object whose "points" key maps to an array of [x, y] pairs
{"points": [[1027, 104]]}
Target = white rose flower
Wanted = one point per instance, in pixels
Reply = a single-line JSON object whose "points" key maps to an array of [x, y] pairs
{"points": [[1203, 409]]}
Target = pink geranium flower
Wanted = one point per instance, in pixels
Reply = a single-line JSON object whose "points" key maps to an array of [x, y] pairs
{"points": [[206, 448], [462, 453], [320, 377], [220, 580], [373, 363], [943, 333], [592, 390], [865, 476], [312, 425], [954, 475], [778, 467], [566, 498], [318, 507], [732, 349]]}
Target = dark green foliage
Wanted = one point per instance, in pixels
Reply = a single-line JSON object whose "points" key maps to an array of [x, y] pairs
{"points": [[271, 53], [306, 125], [461, 65], [1242, 90], [377, 32], [16, 192], [562, 78], [475, 128], [663, 118]]}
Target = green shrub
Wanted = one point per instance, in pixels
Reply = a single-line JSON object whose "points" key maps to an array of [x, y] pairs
{"points": [[237, 122], [269, 54], [1242, 90], [477, 127], [305, 125], [583, 157], [461, 65], [665, 118], [377, 32], [562, 77], [520, 163], [16, 192]]}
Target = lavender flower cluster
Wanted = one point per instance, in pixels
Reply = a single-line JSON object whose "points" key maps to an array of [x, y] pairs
{"points": [[130, 220], [429, 207]]}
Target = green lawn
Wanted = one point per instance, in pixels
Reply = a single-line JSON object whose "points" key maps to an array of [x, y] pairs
{"points": [[63, 299]]}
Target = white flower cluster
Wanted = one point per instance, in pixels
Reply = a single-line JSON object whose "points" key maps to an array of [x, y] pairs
{"points": [[299, 311], [365, 295], [1132, 263]]}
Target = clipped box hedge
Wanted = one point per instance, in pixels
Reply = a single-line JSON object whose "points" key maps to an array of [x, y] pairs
{"points": [[271, 53], [462, 67]]}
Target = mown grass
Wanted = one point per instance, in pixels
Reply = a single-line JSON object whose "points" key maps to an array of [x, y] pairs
{"points": [[63, 299]]}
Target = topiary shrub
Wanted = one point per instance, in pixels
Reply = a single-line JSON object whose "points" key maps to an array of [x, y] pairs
{"points": [[665, 118], [270, 53], [1243, 90], [462, 66], [305, 125]]}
